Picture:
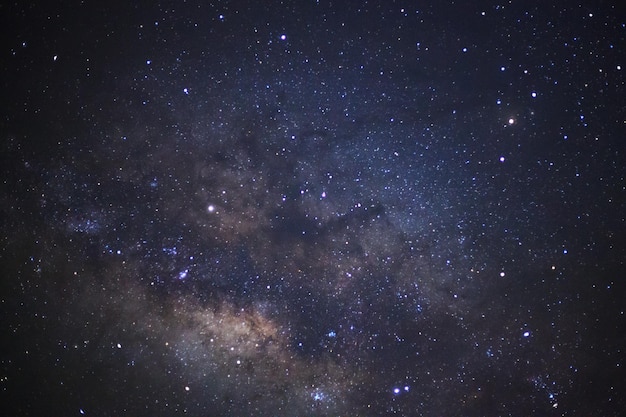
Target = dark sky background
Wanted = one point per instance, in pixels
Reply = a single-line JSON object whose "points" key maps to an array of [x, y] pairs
{"points": [[313, 208]]}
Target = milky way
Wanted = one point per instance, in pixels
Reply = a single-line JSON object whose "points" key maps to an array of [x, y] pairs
{"points": [[313, 209]]}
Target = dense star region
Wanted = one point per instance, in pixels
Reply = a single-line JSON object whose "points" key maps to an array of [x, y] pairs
{"points": [[313, 208]]}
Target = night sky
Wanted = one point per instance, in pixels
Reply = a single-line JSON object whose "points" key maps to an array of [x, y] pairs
{"points": [[313, 208]]}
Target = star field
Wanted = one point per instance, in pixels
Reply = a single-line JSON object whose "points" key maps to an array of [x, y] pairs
{"points": [[313, 208]]}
